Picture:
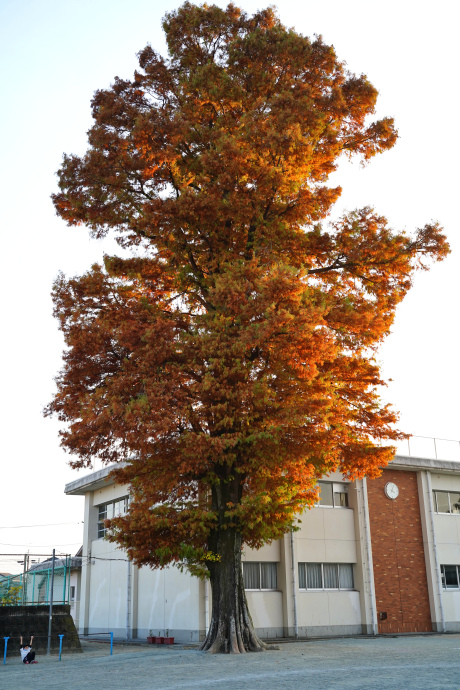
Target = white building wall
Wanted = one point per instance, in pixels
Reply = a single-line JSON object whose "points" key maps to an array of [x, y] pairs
{"points": [[161, 600], [108, 589], [327, 535], [266, 610], [170, 601], [75, 581], [169, 604], [447, 532], [329, 613]]}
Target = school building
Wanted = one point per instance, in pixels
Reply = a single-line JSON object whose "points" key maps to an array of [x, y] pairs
{"points": [[375, 556]]}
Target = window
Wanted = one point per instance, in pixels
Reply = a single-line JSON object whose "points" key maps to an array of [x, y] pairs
{"points": [[260, 575], [107, 511], [72, 593], [333, 495], [447, 502], [325, 576], [450, 576]]}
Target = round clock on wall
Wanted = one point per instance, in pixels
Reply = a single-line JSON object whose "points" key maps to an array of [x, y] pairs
{"points": [[391, 490]]}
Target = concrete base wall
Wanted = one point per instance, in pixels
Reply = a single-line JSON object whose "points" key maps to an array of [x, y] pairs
{"points": [[180, 636], [325, 630], [451, 626], [33, 620]]}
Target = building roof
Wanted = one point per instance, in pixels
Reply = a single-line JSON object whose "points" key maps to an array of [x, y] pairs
{"points": [[102, 478], [403, 462], [73, 562], [90, 482]]}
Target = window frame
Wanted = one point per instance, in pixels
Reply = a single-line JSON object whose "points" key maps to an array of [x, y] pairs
{"points": [[435, 501], [103, 511], [304, 564], [261, 589], [445, 587], [337, 488]]}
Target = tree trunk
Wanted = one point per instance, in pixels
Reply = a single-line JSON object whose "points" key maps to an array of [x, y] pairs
{"points": [[231, 629]]}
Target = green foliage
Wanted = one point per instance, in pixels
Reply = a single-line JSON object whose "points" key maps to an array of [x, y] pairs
{"points": [[12, 596]]}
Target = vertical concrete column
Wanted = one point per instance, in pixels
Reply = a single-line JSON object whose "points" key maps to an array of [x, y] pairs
{"points": [[286, 586], [89, 532], [203, 609], [429, 545], [134, 601], [364, 570]]}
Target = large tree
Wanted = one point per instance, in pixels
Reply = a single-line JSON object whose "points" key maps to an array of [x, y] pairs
{"points": [[227, 359]]}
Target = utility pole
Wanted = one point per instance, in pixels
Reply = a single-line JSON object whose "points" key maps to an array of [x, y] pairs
{"points": [[24, 576], [50, 618]]}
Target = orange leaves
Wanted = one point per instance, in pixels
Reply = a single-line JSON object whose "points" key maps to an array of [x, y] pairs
{"points": [[239, 130]]}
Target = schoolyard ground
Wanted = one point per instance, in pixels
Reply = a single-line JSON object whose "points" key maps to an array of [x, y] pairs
{"points": [[389, 663]]}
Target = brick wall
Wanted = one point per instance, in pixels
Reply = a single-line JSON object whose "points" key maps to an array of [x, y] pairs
{"points": [[401, 588]]}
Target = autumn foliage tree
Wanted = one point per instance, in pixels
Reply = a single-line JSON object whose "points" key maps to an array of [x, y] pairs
{"points": [[227, 356]]}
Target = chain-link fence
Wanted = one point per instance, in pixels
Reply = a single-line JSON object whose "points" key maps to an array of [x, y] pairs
{"points": [[25, 579]]}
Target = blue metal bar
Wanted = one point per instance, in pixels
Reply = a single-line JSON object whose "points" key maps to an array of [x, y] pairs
{"points": [[6, 647], [111, 643], [60, 646]]}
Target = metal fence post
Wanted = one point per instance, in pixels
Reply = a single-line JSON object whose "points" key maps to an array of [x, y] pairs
{"points": [[6, 647], [65, 575], [111, 643], [24, 570], [50, 617], [60, 646]]}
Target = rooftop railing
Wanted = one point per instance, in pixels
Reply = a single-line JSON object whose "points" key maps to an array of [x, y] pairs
{"points": [[429, 447]]}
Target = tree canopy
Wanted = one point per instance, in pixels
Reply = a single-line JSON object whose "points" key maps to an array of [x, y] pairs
{"points": [[228, 360]]}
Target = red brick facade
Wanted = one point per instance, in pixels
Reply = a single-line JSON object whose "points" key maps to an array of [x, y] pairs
{"points": [[401, 587]]}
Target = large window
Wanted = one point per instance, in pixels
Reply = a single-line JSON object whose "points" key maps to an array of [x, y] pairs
{"points": [[447, 502], [314, 576], [260, 575], [107, 511], [333, 495], [450, 576]]}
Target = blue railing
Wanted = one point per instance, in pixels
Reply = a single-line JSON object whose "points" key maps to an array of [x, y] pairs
{"points": [[61, 637]]}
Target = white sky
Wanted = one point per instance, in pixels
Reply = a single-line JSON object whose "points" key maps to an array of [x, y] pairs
{"points": [[53, 56]]}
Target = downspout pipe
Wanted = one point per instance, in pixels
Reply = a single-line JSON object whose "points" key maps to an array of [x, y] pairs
{"points": [[435, 550], [367, 532], [294, 586]]}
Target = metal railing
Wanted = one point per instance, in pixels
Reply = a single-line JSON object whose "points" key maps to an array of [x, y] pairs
{"points": [[429, 447], [34, 585]]}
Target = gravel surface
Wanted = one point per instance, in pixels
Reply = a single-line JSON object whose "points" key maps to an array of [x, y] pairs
{"points": [[390, 663]]}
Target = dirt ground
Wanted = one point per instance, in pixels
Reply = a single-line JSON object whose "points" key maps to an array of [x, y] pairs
{"points": [[390, 663]]}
